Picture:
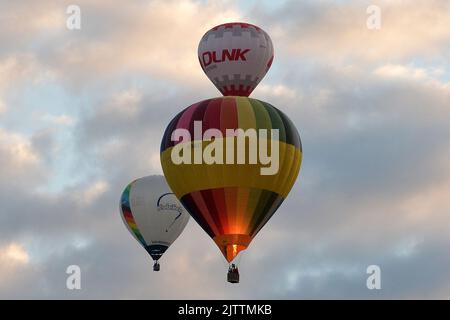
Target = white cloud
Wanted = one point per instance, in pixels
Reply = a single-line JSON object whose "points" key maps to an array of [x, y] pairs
{"points": [[279, 91], [155, 163], [17, 154], [126, 103], [93, 192], [157, 38], [12, 255], [60, 120], [338, 33], [20, 67], [2, 106], [17, 71], [14, 260], [427, 76], [429, 207]]}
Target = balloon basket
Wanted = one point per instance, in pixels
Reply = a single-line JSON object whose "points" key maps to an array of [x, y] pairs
{"points": [[233, 274], [156, 266]]}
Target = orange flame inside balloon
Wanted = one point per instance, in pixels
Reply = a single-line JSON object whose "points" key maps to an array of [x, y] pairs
{"points": [[232, 251], [232, 244]]}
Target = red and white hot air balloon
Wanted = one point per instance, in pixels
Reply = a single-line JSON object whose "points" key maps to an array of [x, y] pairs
{"points": [[235, 57]]}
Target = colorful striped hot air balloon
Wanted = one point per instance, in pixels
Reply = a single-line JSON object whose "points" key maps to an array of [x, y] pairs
{"points": [[231, 192]]}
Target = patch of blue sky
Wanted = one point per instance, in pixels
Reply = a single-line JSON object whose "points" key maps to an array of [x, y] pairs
{"points": [[437, 68], [273, 5], [267, 4], [46, 103], [70, 168], [28, 106], [40, 249], [37, 108]]}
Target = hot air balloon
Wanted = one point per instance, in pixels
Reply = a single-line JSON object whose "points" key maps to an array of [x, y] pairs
{"points": [[235, 57], [153, 215], [202, 159]]}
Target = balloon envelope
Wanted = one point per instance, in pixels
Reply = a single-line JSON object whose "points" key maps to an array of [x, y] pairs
{"points": [[231, 201], [152, 214], [235, 57]]}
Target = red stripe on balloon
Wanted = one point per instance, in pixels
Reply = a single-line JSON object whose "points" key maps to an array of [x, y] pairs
{"points": [[198, 214], [185, 119], [228, 115], [211, 119], [230, 194], [210, 202], [197, 115], [198, 203], [221, 206]]}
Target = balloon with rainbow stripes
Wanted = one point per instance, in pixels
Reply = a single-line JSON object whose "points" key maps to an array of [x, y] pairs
{"points": [[153, 215]]}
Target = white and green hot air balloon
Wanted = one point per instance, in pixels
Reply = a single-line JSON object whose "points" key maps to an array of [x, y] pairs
{"points": [[153, 215]]}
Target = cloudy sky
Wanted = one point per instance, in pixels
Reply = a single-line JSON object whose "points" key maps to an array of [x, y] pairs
{"points": [[82, 113]]}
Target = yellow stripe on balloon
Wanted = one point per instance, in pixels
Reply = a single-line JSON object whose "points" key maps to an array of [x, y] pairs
{"points": [[246, 114], [187, 178]]}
